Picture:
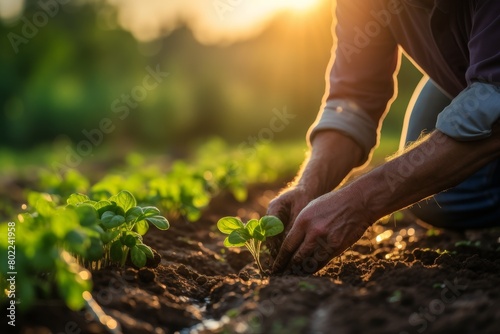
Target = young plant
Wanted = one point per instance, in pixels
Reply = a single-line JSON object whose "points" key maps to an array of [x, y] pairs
{"points": [[252, 234], [120, 224]]}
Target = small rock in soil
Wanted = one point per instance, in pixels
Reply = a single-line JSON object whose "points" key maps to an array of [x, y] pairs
{"points": [[182, 270], [201, 280], [147, 275], [155, 261], [130, 274], [157, 288]]}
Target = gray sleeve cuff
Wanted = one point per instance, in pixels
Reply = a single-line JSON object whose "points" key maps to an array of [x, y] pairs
{"points": [[345, 116], [471, 114]]}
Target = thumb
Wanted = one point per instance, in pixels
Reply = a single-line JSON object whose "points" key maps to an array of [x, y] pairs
{"points": [[279, 208]]}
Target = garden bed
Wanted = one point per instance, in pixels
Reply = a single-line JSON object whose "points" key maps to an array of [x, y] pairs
{"points": [[399, 278]]}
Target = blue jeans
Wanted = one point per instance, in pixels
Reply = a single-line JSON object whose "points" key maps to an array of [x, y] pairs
{"points": [[474, 203]]}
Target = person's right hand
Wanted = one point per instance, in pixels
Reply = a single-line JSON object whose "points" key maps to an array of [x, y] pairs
{"points": [[287, 207], [332, 157]]}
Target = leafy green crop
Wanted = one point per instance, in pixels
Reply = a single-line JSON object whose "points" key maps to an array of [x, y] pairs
{"points": [[120, 225], [54, 242], [44, 268], [252, 234]]}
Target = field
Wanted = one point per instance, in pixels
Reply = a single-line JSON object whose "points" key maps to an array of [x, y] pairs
{"points": [[399, 278]]}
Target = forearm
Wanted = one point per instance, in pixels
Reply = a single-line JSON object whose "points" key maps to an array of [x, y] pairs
{"points": [[435, 164], [331, 159]]}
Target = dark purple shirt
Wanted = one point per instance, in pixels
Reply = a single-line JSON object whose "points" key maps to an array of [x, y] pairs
{"points": [[455, 42]]}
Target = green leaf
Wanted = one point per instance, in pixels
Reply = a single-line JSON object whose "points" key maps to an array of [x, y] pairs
{"points": [[239, 236], [124, 199], [71, 287], [150, 211], [28, 295], [116, 221], [103, 206], [107, 216], [227, 243], [258, 235], [77, 241], [229, 224], [116, 251], [133, 213], [97, 229], [271, 226], [159, 221], [109, 236], [240, 193], [141, 227], [87, 214], [95, 251], [77, 198], [251, 226], [62, 221], [138, 257], [129, 240], [42, 203], [146, 250], [110, 220]]}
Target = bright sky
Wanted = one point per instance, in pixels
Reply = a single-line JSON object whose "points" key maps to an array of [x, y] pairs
{"points": [[212, 21]]}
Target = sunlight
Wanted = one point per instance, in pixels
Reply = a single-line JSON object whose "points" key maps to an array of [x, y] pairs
{"points": [[300, 5], [11, 9], [212, 22]]}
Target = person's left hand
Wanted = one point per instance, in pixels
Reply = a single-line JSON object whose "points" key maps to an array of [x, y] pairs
{"points": [[324, 229]]}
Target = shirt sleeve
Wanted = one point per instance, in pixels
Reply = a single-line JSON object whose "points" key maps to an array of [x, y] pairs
{"points": [[360, 79], [472, 113]]}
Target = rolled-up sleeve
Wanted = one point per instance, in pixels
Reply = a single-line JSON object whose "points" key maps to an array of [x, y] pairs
{"points": [[347, 117], [360, 80], [472, 113]]}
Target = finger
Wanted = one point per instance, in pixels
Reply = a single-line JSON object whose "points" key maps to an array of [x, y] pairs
{"points": [[280, 209], [304, 261], [291, 243]]}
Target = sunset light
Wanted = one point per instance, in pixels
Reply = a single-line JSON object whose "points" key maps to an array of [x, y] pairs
{"points": [[300, 4], [211, 22]]}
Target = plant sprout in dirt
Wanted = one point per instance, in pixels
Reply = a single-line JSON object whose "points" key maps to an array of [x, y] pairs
{"points": [[120, 225], [252, 234]]}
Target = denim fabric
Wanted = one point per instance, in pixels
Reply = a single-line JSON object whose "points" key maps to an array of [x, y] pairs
{"points": [[471, 115], [475, 203]]}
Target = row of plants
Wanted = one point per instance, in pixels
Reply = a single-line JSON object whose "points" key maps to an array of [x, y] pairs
{"points": [[74, 227], [185, 187], [56, 245]]}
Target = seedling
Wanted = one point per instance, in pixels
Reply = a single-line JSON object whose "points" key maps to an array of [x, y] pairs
{"points": [[120, 224], [252, 234]]}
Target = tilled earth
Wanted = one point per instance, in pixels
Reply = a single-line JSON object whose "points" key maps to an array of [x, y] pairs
{"points": [[399, 278]]}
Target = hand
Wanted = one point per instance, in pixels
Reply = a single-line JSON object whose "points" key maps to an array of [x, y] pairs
{"points": [[323, 230], [286, 207], [332, 157]]}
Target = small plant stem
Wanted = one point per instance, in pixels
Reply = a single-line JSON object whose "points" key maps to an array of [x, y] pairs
{"points": [[254, 248], [124, 257], [258, 243]]}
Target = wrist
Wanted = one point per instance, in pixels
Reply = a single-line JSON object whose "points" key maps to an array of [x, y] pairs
{"points": [[332, 158]]}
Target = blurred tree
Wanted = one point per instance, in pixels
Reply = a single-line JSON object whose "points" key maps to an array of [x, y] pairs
{"points": [[66, 78]]}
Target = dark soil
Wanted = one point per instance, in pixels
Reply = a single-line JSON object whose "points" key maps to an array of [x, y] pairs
{"points": [[413, 281]]}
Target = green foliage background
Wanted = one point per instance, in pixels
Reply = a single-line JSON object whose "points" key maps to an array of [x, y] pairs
{"points": [[65, 79]]}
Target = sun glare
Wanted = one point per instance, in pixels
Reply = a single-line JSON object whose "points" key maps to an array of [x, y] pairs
{"points": [[217, 21], [300, 5]]}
